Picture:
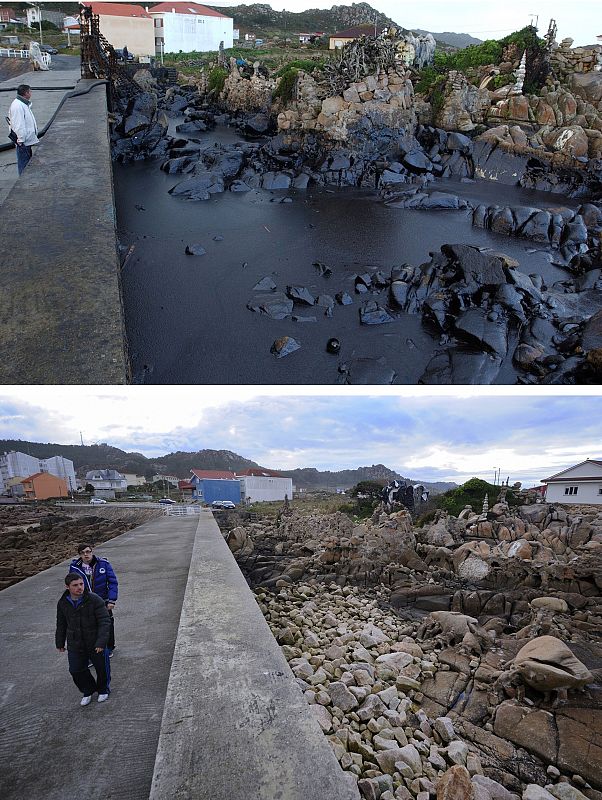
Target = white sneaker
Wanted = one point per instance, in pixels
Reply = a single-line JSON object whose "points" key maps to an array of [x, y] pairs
{"points": [[86, 700], [101, 698]]}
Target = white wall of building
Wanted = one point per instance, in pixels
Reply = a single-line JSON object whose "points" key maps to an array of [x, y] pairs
{"points": [[17, 465], [589, 492], [259, 488], [62, 468], [193, 33]]}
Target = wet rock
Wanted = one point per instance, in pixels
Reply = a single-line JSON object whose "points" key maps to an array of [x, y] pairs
{"points": [[175, 165], [371, 313], [300, 294], [276, 180], [240, 186], [191, 128], [139, 114], [276, 306], [256, 124], [417, 161], [284, 346], [200, 187], [344, 298], [297, 318], [458, 367], [476, 325], [333, 346], [195, 250], [265, 285], [322, 269], [366, 371]]}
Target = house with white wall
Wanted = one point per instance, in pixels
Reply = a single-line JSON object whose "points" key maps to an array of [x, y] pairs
{"points": [[579, 484], [257, 485], [21, 465], [190, 27], [106, 482], [126, 25]]}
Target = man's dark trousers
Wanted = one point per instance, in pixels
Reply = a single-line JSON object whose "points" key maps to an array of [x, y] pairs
{"points": [[82, 677], [23, 156]]}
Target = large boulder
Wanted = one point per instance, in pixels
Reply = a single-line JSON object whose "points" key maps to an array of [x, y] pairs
{"points": [[548, 664]]}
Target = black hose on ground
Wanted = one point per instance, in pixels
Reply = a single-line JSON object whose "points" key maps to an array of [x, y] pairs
{"points": [[10, 145]]}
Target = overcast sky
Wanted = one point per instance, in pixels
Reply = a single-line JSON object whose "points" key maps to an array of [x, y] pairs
{"points": [[448, 435], [581, 20]]}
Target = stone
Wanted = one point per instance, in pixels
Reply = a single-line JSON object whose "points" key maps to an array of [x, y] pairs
{"points": [[373, 706], [284, 346], [323, 717], [546, 663], [535, 792], [371, 313], [455, 784], [456, 752], [195, 250], [445, 728], [341, 696]]}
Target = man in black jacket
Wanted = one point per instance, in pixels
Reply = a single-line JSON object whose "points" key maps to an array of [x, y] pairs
{"points": [[83, 620]]}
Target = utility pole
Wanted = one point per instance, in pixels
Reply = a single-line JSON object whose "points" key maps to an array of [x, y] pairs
{"points": [[81, 438], [40, 22]]}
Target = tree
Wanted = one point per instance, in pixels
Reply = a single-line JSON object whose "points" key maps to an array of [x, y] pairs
{"points": [[89, 488]]}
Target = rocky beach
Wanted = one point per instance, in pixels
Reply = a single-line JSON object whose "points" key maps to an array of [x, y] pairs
{"points": [[460, 659], [520, 304]]}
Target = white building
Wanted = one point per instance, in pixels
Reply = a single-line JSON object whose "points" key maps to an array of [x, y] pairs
{"points": [[190, 27], [21, 465], [35, 14], [262, 484], [62, 468], [171, 479], [579, 484], [134, 480], [106, 482]]}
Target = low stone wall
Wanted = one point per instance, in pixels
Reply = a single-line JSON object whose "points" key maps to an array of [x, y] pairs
{"points": [[565, 60], [235, 725]]}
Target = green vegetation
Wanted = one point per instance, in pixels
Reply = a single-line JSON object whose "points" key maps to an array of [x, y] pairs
{"points": [[217, 78], [367, 496], [490, 51], [286, 86], [472, 493], [431, 84], [305, 64]]}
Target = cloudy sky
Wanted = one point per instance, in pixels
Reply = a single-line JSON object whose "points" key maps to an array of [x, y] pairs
{"points": [[446, 435], [582, 20]]}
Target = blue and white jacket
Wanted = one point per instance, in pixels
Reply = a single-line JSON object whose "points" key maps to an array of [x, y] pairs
{"points": [[104, 580]]}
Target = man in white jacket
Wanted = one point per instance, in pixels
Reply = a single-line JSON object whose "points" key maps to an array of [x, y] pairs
{"points": [[23, 123]]}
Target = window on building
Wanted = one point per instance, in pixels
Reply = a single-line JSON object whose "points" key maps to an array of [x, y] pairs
{"points": [[600, 490], [571, 489]]}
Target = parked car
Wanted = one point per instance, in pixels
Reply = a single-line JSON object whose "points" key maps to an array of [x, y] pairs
{"points": [[119, 54], [223, 504], [97, 501], [167, 502], [47, 48]]}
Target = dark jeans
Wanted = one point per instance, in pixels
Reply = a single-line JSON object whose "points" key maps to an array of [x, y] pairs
{"points": [[82, 677], [23, 156], [111, 642]]}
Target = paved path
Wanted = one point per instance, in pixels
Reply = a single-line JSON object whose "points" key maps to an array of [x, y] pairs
{"points": [[50, 747], [45, 103]]}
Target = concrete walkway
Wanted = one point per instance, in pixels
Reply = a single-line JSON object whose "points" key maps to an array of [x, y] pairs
{"points": [[50, 747], [61, 319], [44, 105]]}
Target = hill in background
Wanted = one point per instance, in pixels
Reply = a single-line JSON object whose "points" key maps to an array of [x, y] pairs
{"points": [[459, 40], [104, 456]]}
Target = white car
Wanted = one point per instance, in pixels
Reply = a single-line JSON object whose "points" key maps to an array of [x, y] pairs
{"points": [[97, 501], [167, 502]]}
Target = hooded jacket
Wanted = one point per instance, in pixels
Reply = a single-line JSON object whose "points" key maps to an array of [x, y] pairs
{"points": [[104, 581], [85, 627], [23, 122]]}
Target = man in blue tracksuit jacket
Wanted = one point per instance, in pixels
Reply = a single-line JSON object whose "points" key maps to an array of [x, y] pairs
{"points": [[99, 577]]}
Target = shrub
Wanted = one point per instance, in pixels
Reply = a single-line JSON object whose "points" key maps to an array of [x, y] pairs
{"points": [[286, 86], [305, 64], [217, 78]]}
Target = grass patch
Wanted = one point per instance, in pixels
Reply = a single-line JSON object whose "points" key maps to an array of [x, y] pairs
{"points": [[286, 86]]}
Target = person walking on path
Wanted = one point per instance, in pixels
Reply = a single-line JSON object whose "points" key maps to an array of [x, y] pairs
{"points": [[23, 123], [82, 620], [99, 576]]}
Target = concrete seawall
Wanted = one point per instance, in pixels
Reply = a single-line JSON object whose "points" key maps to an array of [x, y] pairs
{"points": [[61, 318], [235, 724]]}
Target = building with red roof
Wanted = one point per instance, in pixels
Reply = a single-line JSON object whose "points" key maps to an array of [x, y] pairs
{"points": [[579, 484], [126, 25], [190, 27]]}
